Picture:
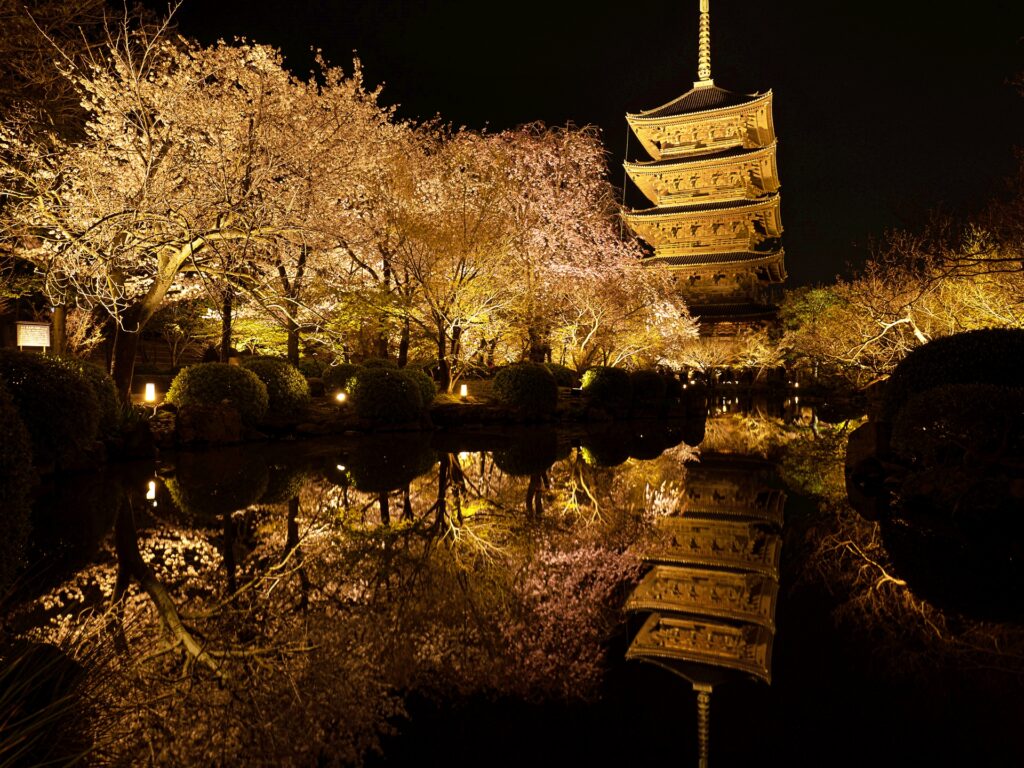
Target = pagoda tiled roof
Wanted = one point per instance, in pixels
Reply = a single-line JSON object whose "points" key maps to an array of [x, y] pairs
{"points": [[729, 257], [702, 207], [729, 154], [700, 99], [738, 310]]}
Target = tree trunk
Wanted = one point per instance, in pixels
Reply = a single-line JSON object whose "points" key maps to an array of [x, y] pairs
{"points": [[403, 344], [60, 330], [126, 345], [293, 341], [444, 377], [225, 325]]}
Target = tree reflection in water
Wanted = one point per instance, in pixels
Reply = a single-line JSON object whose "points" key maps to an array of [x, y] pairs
{"points": [[262, 596]]}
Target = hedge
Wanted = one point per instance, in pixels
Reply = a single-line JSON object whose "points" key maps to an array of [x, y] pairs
{"points": [[56, 403], [385, 395], [213, 383], [15, 481], [339, 377], [529, 387], [287, 388], [608, 386]]}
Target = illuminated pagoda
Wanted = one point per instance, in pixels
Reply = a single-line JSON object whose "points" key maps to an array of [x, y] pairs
{"points": [[714, 185]]}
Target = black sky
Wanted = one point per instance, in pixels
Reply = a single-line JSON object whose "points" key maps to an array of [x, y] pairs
{"points": [[884, 110]]}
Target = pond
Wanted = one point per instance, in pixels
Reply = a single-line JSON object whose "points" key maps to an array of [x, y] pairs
{"points": [[642, 592]]}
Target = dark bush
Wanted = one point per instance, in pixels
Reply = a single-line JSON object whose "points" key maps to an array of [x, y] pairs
{"points": [[648, 388], [529, 387], [377, 465], [990, 356], [287, 388], [673, 386], [15, 481], [211, 384], [608, 386], [379, 362], [953, 422], [104, 389], [312, 368], [206, 491], [338, 377], [56, 404], [385, 395], [564, 376], [423, 382], [529, 456], [604, 450]]}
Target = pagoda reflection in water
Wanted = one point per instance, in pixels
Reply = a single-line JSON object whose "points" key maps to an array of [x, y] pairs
{"points": [[713, 583]]}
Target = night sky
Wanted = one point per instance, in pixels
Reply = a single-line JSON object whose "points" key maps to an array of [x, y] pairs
{"points": [[884, 110]]}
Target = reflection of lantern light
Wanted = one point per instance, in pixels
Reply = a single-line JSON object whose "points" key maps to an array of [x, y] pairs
{"points": [[341, 397], [150, 395], [463, 392], [151, 492]]}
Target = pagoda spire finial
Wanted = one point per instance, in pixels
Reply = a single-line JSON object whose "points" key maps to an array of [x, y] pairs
{"points": [[704, 46]]}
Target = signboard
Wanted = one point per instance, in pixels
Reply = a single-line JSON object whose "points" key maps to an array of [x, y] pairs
{"points": [[33, 334]]}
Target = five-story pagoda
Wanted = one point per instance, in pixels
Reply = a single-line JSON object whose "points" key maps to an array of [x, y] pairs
{"points": [[714, 186]]}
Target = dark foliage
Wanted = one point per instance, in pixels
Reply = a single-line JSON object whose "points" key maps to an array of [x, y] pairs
{"points": [[608, 386], [564, 376], [379, 466], [423, 382], [528, 457], [648, 388], [56, 403], [15, 481], [287, 388], [529, 387], [989, 356], [339, 377], [211, 384], [385, 395], [105, 390], [312, 368]]}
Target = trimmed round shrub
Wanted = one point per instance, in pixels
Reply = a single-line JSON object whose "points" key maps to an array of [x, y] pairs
{"points": [[423, 382], [56, 404], [608, 386], [339, 376], [15, 481], [379, 362], [312, 368], [385, 395], [648, 388], [103, 387], [211, 384], [287, 388], [564, 376], [528, 387], [604, 450], [990, 356]]}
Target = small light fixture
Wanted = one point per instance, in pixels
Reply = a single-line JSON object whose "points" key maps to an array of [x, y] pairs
{"points": [[341, 397], [150, 396], [151, 490], [341, 467], [463, 391], [796, 384]]}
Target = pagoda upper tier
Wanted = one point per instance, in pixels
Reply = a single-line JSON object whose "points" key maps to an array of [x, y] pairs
{"points": [[737, 174], [704, 120]]}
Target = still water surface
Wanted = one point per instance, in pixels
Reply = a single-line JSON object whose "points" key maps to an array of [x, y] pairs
{"points": [[471, 599]]}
